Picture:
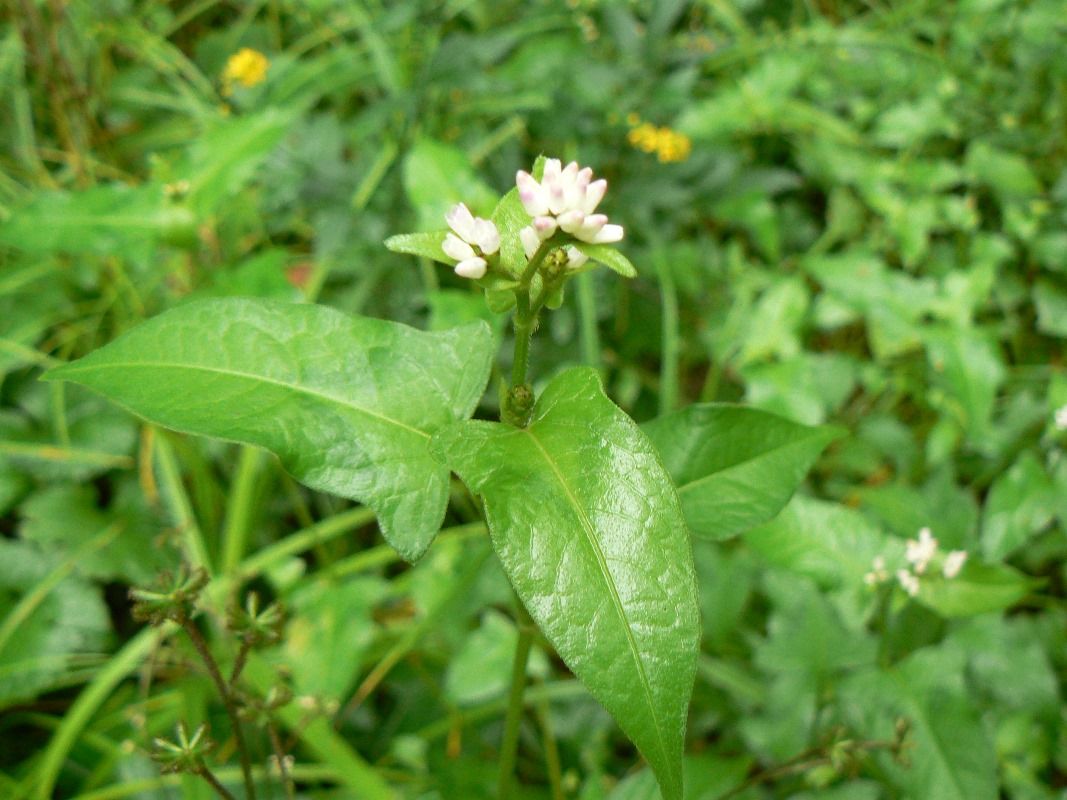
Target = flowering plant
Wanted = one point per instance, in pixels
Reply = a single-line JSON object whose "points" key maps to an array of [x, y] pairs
{"points": [[589, 513]]}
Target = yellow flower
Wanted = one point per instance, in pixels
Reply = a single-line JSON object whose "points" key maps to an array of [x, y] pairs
{"points": [[246, 67], [668, 145]]}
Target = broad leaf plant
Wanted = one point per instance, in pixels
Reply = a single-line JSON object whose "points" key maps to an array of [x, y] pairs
{"points": [[589, 513]]}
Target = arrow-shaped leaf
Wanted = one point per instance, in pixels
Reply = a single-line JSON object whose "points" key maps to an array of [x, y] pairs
{"points": [[349, 404], [590, 531]]}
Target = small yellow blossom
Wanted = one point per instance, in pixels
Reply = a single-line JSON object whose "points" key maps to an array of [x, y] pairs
{"points": [[668, 145], [246, 67]]}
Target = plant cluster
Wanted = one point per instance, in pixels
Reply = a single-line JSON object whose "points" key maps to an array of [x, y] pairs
{"points": [[765, 499]]}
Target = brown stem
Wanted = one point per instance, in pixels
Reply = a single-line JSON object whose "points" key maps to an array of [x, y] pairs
{"points": [[204, 652], [209, 776], [279, 755]]}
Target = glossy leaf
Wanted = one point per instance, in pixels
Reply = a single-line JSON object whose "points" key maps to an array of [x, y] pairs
{"points": [[347, 403], [590, 532], [734, 467]]}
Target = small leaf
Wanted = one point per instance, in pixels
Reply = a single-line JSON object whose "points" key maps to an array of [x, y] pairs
{"points": [[426, 245], [347, 403], [611, 258], [510, 217], [978, 589], [735, 467], [590, 532]]}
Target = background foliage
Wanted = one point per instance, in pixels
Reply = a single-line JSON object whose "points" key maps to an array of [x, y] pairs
{"points": [[842, 212]]}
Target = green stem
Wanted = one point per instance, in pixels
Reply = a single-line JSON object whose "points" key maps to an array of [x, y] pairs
{"points": [[524, 323], [668, 392], [510, 743], [239, 509], [587, 316], [181, 507]]}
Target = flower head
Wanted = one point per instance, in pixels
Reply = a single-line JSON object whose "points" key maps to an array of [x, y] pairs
{"points": [[667, 144], [246, 67], [920, 551], [470, 232], [565, 198]]}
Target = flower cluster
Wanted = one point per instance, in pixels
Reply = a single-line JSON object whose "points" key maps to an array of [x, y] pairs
{"points": [[470, 232], [565, 199], [668, 145], [246, 67], [919, 553]]}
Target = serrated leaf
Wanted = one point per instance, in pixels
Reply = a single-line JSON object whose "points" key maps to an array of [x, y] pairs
{"points": [[734, 467], [611, 258], [426, 245], [347, 403], [590, 532]]}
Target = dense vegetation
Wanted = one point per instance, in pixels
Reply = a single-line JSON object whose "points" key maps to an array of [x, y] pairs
{"points": [[844, 213]]}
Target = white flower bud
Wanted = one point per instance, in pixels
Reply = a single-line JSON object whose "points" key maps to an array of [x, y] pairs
{"points": [[473, 268], [456, 248], [908, 582], [954, 562], [609, 234], [530, 241], [575, 258], [919, 552]]}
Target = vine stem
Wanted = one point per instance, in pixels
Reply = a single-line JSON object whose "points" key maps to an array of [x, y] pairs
{"points": [[197, 638], [509, 744]]}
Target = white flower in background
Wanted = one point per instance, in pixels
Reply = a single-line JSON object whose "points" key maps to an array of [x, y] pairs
{"points": [[470, 232], [566, 198], [919, 552], [954, 562], [878, 573], [908, 582], [1059, 418]]}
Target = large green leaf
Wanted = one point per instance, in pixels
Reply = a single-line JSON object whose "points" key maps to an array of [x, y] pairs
{"points": [[734, 467], [590, 531], [347, 403]]}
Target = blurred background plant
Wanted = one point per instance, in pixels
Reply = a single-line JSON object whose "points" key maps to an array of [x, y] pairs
{"points": [[847, 212]]}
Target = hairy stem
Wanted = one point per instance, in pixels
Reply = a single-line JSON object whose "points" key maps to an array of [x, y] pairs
{"points": [[209, 776], [212, 666]]}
